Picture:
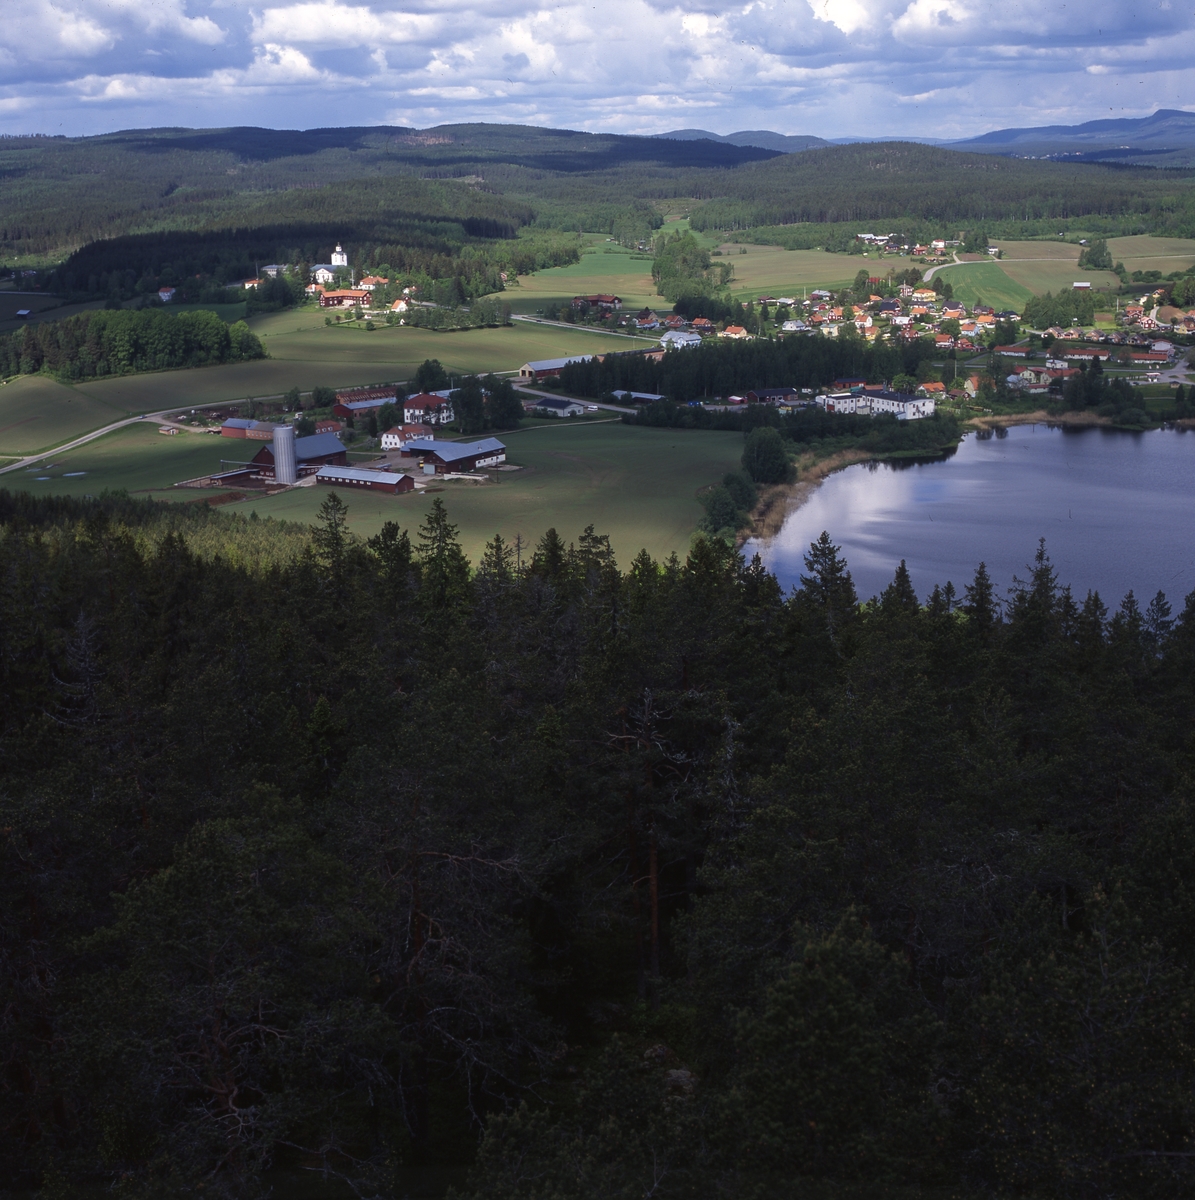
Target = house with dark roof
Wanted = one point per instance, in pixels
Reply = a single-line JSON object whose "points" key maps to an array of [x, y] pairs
{"points": [[255, 431], [782, 395], [311, 453], [549, 368], [426, 408], [444, 458]]}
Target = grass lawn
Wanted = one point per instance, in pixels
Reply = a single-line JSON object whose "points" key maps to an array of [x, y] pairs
{"points": [[36, 412], [136, 457], [985, 282]]}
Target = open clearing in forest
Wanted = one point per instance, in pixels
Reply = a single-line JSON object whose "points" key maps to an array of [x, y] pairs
{"points": [[637, 485], [36, 412]]}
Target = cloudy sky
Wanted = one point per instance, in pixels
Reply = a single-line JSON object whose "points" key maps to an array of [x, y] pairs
{"points": [[934, 68]]}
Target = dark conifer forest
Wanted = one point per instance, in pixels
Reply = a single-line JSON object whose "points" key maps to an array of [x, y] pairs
{"points": [[325, 860]]}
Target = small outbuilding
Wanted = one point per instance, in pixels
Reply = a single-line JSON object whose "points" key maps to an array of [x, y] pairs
{"points": [[558, 408]]}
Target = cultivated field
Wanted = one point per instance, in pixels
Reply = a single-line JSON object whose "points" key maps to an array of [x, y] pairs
{"points": [[1055, 275], [1037, 251], [1148, 246], [984, 282], [136, 457], [44, 308], [36, 412], [604, 267], [774, 271], [637, 485]]}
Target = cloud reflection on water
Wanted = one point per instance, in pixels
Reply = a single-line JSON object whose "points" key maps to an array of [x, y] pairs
{"points": [[1115, 509]]}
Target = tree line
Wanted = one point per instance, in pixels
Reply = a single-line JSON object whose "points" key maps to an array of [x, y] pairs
{"points": [[613, 879], [123, 341], [1076, 307], [722, 367]]}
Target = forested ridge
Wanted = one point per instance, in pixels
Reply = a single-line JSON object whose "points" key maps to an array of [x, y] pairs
{"points": [[654, 879], [288, 188]]}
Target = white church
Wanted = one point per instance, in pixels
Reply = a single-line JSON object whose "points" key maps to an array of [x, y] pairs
{"points": [[326, 272]]}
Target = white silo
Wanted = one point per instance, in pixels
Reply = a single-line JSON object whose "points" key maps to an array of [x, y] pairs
{"points": [[285, 466]]}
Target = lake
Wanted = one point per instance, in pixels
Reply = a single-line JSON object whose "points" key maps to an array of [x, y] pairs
{"points": [[1117, 511]]}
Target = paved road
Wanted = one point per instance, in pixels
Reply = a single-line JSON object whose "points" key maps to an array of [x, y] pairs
{"points": [[580, 399], [930, 273], [161, 417], [631, 337]]}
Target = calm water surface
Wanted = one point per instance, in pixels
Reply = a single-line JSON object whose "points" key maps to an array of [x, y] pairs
{"points": [[1117, 511]]}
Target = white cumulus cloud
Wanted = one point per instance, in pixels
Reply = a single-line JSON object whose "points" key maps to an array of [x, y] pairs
{"points": [[830, 67]]}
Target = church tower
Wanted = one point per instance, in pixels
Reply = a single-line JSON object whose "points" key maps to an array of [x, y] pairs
{"points": [[340, 259]]}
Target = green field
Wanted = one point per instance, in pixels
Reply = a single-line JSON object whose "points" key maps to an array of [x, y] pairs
{"points": [[1037, 251], [604, 267], [774, 271], [1147, 253], [637, 485], [44, 308], [985, 282], [36, 412], [226, 312], [136, 457]]}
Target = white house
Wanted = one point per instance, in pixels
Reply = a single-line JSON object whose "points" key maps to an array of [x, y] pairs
{"points": [[677, 339], [166, 294], [323, 273], [400, 435], [427, 408], [559, 408], [904, 408], [841, 402]]}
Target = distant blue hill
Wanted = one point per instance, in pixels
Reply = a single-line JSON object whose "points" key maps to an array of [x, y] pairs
{"points": [[1166, 138], [765, 139], [1169, 126]]}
